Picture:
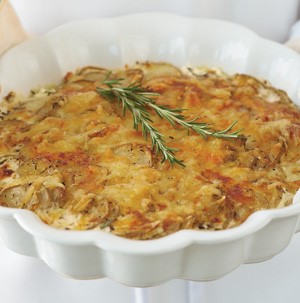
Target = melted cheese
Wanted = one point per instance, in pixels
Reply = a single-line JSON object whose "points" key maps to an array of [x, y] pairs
{"points": [[71, 156]]}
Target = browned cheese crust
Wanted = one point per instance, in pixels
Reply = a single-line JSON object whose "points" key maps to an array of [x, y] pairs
{"points": [[70, 155]]}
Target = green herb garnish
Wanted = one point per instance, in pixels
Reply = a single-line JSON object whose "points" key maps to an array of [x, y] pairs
{"points": [[138, 101]]}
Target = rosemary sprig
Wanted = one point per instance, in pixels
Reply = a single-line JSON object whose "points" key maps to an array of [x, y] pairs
{"points": [[203, 129], [136, 100], [133, 98]]}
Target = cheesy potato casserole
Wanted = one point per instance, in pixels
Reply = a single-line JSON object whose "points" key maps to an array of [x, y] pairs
{"points": [[71, 156]]}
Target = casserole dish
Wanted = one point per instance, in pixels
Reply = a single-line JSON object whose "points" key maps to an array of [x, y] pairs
{"points": [[195, 255]]}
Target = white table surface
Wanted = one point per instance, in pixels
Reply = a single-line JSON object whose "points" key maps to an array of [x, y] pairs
{"points": [[29, 280]]}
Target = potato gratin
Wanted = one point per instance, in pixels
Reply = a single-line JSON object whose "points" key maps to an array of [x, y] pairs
{"points": [[70, 155]]}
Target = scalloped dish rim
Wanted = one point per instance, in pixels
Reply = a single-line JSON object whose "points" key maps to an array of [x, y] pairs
{"points": [[30, 222]]}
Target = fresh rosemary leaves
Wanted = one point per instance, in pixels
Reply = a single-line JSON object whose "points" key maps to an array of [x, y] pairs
{"points": [[138, 101]]}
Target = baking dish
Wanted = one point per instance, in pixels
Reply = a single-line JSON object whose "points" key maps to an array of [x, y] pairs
{"points": [[113, 42]]}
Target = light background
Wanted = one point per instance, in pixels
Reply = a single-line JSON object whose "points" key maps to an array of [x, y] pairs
{"points": [[270, 18]]}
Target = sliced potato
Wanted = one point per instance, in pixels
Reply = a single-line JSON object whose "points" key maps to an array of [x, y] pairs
{"points": [[137, 154]]}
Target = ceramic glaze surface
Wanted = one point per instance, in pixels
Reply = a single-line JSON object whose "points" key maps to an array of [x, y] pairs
{"points": [[113, 42]]}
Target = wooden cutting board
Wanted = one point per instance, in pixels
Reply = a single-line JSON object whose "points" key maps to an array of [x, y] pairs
{"points": [[11, 30]]}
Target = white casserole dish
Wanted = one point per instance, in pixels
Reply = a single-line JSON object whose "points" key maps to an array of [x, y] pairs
{"points": [[195, 255]]}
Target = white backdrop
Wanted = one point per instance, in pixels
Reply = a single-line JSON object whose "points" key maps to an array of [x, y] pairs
{"points": [[270, 18]]}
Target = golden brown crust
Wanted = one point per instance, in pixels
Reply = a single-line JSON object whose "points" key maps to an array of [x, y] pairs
{"points": [[70, 155]]}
